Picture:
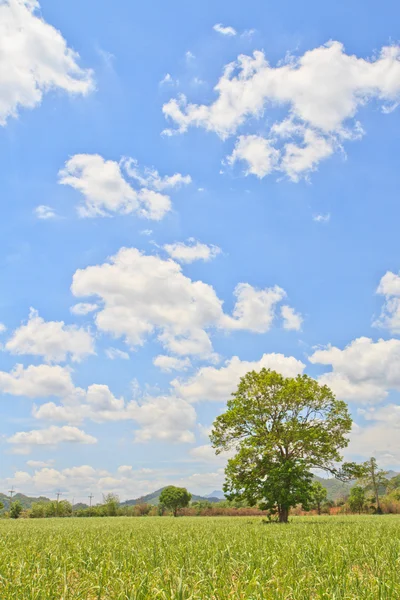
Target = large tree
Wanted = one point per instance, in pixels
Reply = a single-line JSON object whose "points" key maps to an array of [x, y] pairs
{"points": [[281, 428], [174, 498]]}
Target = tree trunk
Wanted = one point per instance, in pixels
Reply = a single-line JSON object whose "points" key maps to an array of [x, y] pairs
{"points": [[319, 508], [283, 514], [175, 512]]}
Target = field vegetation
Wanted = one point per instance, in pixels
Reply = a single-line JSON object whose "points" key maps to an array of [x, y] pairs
{"points": [[341, 558]]}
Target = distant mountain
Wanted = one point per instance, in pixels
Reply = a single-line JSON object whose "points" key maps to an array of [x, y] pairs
{"points": [[336, 489], [26, 501], [154, 498], [216, 494]]}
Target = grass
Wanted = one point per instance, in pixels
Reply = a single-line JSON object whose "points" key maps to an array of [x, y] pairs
{"points": [[200, 559]]}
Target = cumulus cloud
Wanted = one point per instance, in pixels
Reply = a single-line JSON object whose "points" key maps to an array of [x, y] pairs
{"points": [[322, 91], [37, 381], [143, 295], [164, 418], [291, 319], [53, 340], [364, 371], [379, 438], [25, 440], [45, 212], [389, 287], [106, 190], [171, 363], [38, 464], [217, 384], [187, 253], [34, 59], [229, 31]]}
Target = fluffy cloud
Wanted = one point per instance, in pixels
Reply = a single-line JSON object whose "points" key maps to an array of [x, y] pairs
{"points": [[143, 295], [379, 439], [229, 31], [106, 191], [171, 363], [259, 154], [389, 287], [364, 371], [254, 309], [37, 381], [45, 213], [53, 340], [188, 253], [164, 418], [322, 91], [217, 384], [25, 440], [34, 59], [291, 319]]}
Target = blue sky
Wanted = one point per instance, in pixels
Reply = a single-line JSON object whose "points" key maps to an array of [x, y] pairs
{"points": [[155, 227]]}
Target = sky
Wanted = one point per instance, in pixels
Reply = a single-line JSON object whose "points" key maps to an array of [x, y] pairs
{"points": [[191, 191]]}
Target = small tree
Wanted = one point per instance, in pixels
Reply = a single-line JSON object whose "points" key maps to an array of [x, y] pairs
{"points": [[281, 428], [16, 509], [374, 479], [111, 504], [357, 499], [319, 495], [1, 506], [174, 498]]}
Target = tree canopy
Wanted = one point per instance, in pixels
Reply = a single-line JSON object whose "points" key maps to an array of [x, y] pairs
{"points": [[281, 428], [174, 498]]}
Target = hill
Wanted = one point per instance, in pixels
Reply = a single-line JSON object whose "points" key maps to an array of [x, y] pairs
{"points": [[154, 498], [216, 494], [26, 501]]}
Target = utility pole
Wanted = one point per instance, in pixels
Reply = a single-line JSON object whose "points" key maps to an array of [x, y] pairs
{"points": [[11, 492], [90, 504]]}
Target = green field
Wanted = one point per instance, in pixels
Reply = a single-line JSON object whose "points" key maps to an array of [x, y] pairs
{"points": [[200, 558]]}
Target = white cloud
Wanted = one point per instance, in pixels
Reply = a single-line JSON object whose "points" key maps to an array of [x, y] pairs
{"points": [[45, 212], [291, 319], [379, 439], [37, 381], [83, 308], [389, 286], [50, 437], [106, 191], [217, 384], [38, 464], [364, 371], [3, 328], [146, 232], [258, 152], [150, 178], [168, 80], [322, 218], [143, 295], [321, 90], [206, 454], [114, 353], [254, 309], [229, 31], [164, 418], [187, 253], [34, 59], [171, 363], [53, 340]]}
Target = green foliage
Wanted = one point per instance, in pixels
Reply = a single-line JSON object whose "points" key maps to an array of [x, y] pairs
{"points": [[373, 479], [357, 499], [16, 509], [319, 495], [175, 498], [110, 505], [281, 428]]}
